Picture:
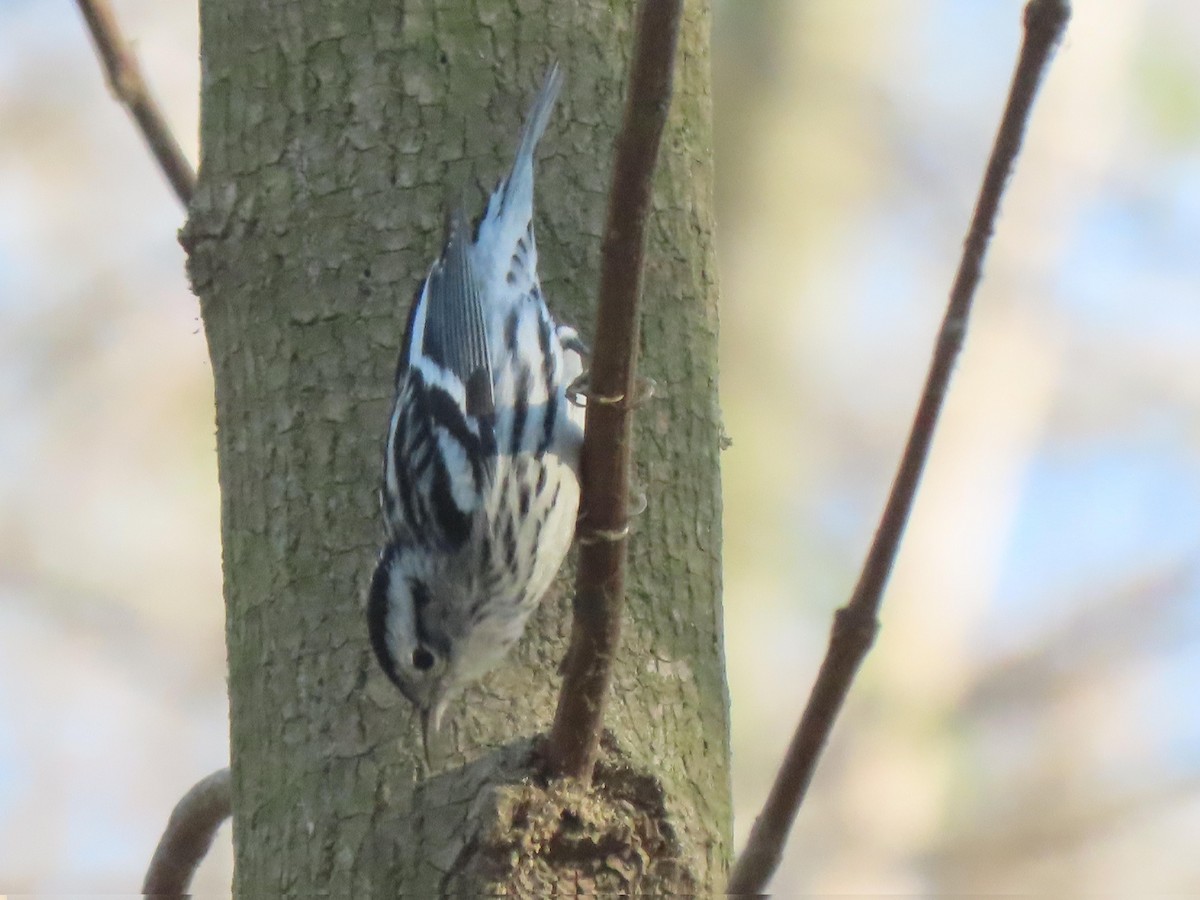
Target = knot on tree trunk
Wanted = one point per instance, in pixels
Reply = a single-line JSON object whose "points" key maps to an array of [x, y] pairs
{"points": [[613, 838]]}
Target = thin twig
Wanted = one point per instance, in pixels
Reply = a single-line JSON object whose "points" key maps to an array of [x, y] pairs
{"points": [[574, 741], [188, 835], [129, 87], [855, 625]]}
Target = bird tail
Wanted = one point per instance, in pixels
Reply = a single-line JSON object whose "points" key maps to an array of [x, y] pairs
{"points": [[514, 200], [535, 123]]}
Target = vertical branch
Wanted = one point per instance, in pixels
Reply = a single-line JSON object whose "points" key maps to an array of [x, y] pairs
{"points": [[600, 586], [855, 625], [129, 87]]}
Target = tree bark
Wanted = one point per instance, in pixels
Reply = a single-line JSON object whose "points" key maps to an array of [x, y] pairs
{"points": [[334, 134]]}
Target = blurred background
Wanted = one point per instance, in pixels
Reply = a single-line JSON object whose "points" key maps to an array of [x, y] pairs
{"points": [[1030, 718]]}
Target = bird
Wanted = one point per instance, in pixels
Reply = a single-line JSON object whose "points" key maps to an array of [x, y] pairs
{"points": [[481, 474]]}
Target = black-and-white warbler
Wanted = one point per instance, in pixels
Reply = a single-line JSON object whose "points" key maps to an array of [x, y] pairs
{"points": [[481, 473]]}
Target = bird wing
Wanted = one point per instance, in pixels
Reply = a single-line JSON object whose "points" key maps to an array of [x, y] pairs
{"points": [[452, 329], [441, 440], [438, 464]]}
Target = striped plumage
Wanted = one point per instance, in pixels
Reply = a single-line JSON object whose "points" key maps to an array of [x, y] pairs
{"points": [[480, 487]]}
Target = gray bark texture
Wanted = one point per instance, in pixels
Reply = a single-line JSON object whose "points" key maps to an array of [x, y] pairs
{"points": [[334, 134]]}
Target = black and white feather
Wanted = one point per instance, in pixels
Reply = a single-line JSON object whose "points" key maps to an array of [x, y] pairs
{"points": [[481, 472]]}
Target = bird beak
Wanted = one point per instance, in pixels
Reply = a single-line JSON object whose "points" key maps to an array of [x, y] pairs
{"points": [[431, 723]]}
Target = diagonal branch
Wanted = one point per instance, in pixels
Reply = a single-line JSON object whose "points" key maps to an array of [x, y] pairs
{"points": [[188, 836], [855, 624], [129, 87], [600, 585]]}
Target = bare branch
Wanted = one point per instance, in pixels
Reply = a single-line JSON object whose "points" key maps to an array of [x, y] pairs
{"points": [[600, 585], [188, 836], [855, 624], [125, 81]]}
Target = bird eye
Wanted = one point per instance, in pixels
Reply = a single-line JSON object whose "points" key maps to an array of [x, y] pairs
{"points": [[422, 660]]}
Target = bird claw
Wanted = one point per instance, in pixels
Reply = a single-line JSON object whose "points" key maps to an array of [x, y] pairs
{"points": [[579, 392], [588, 535]]}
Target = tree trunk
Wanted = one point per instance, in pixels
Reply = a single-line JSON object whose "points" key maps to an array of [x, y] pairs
{"points": [[334, 133]]}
